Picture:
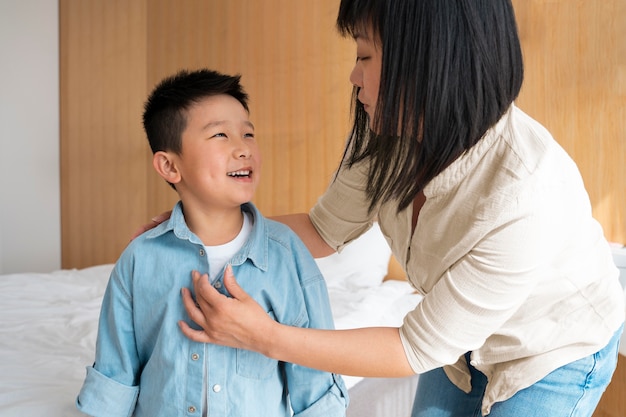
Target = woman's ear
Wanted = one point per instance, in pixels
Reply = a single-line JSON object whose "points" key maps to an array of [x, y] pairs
{"points": [[164, 163]]}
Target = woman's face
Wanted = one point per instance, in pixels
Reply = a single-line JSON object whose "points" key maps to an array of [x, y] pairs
{"points": [[366, 72]]}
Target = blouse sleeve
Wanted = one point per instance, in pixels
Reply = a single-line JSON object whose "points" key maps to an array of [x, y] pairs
{"points": [[475, 297], [341, 213]]}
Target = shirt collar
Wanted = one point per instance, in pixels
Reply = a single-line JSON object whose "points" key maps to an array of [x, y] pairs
{"points": [[256, 247]]}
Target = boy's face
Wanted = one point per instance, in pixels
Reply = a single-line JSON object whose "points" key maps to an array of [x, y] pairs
{"points": [[220, 162]]}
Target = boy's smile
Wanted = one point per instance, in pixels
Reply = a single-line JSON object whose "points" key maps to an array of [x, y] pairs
{"points": [[220, 162]]}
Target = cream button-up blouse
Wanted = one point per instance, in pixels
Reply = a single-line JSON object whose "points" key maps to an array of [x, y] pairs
{"points": [[512, 265]]}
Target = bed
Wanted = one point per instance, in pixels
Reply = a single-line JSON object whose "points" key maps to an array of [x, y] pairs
{"points": [[49, 325]]}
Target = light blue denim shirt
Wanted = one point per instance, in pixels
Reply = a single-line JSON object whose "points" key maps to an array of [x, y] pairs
{"points": [[145, 366]]}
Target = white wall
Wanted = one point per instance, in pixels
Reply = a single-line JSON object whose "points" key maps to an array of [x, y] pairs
{"points": [[30, 237]]}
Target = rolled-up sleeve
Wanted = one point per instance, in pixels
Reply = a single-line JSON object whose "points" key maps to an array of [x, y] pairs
{"points": [[95, 396], [474, 298], [313, 392], [332, 403], [111, 386], [341, 214]]}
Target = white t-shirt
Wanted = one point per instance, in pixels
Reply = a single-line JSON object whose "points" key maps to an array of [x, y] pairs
{"points": [[219, 255]]}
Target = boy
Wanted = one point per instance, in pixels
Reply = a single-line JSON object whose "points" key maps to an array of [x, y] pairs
{"points": [[204, 146]]}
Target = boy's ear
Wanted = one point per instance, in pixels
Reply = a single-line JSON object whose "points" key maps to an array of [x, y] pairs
{"points": [[165, 165]]}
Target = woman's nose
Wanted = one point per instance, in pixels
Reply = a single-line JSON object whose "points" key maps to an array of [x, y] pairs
{"points": [[355, 77]]}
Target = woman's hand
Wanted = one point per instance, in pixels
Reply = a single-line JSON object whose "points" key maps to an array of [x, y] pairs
{"points": [[238, 322], [155, 221]]}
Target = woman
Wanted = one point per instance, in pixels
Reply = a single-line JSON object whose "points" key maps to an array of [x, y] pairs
{"points": [[522, 308]]}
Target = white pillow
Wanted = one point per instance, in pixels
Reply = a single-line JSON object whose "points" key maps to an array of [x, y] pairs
{"points": [[363, 263]]}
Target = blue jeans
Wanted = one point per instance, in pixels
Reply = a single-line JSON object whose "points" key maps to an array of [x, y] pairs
{"points": [[573, 390]]}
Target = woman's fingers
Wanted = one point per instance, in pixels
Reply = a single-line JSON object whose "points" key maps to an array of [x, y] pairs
{"points": [[231, 285], [236, 321], [193, 309], [210, 310], [195, 335]]}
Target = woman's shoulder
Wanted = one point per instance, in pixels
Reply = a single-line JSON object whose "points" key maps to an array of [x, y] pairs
{"points": [[527, 140]]}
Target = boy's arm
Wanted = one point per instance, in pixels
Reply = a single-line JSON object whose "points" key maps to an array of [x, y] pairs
{"points": [[110, 387], [313, 392], [302, 225]]}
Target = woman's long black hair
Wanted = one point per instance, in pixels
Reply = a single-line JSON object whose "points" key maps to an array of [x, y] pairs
{"points": [[450, 70]]}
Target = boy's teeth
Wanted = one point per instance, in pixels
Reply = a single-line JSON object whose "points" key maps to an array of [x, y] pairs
{"points": [[239, 173]]}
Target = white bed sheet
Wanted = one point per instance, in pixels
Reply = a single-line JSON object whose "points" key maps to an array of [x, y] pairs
{"points": [[49, 325], [384, 305], [47, 337]]}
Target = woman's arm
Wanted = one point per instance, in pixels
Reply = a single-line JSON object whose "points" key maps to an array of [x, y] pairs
{"points": [[302, 225], [299, 223], [240, 322]]}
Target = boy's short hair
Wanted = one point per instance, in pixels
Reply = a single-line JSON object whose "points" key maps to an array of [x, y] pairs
{"points": [[165, 111]]}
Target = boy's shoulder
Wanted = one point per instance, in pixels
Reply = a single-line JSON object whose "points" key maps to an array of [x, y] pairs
{"points": [[277, 227], [150, 243], [135, 249], [279, 233], [272, 227]]}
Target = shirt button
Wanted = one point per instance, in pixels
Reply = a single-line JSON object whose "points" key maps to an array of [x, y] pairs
{"points": [[201, 252], [191, 409], [217, 388], [195, 356], [218, 285]]}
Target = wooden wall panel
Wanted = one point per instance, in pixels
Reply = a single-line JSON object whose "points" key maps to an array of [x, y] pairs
{"points": [[296, 69], [575, 84], [103, 155], [294, 66]]}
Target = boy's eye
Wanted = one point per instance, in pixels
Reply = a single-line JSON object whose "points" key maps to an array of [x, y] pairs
{"points": [[219, 135]]}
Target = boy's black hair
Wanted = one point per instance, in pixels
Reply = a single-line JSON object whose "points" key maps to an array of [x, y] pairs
{"points": [[165, 111], [450, 70]]}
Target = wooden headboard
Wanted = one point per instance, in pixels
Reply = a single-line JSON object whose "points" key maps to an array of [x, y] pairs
{"points": [[395, 270]]}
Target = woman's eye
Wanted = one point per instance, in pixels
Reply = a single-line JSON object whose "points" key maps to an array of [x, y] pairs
{"points": [[248, 135]]}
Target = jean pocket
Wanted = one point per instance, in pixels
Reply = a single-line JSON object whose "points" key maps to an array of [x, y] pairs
{"points": [[255, 365]]}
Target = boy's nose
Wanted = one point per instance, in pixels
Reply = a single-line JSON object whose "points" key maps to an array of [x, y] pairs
{"points": [[243, 152]]}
